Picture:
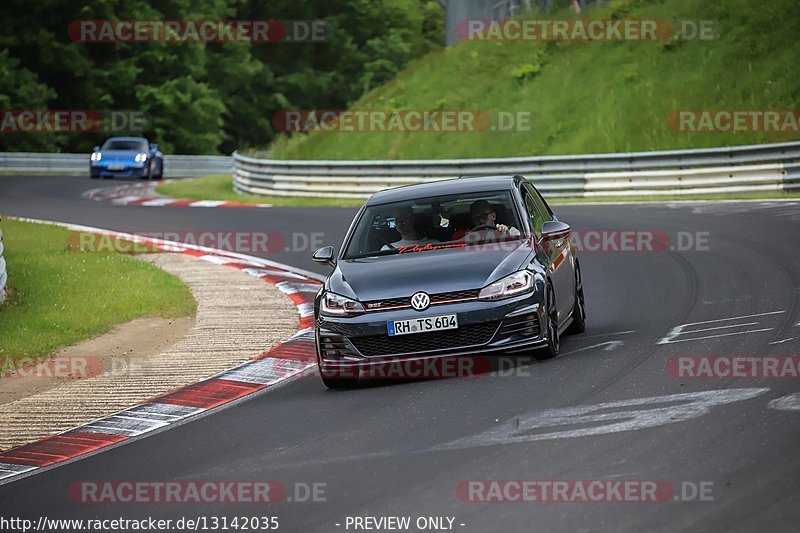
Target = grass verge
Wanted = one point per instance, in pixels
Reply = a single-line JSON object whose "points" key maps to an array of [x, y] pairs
{"points": [[588, 97], [220, 187], [58, 297]]}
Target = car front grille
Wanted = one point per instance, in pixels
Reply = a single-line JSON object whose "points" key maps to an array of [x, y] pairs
{"points": [[468, 336], [441, 297], [455, 295]]}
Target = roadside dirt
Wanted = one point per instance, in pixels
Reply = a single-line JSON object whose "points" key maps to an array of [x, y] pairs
{"points": [[238, 318], [124, 347]]}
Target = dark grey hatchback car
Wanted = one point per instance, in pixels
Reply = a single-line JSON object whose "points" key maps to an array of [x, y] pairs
{"points": [[449, 269]]}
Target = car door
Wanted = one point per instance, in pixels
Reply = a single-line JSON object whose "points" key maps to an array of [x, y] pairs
{"points": [[556, 252]]}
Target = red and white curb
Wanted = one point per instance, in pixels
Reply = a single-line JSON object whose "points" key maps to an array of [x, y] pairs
{"points": [[144, 194], [282, 363]]}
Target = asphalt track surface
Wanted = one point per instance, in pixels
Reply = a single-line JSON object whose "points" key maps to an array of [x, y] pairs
{"points": [[402, 448]]}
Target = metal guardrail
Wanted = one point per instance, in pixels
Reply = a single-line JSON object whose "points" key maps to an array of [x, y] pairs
{"points": [[685, 172], [175, 166], [3, 273]]}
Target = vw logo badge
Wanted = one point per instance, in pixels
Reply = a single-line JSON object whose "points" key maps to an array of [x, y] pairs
{"points": [[420, 301]]}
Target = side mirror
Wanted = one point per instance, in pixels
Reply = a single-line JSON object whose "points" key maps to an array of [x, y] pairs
{"points": [[554, 229], [324, 256], [153, 148], [96, 148]]}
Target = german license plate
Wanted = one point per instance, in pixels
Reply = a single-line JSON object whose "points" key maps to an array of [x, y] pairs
{"points": [[422, 325], [116, 167]]}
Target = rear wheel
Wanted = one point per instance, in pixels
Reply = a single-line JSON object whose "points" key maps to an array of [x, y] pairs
{"points": [[579, 310], [551, 323]]}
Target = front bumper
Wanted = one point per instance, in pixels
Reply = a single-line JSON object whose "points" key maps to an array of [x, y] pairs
{"points": [[120, 170], [484, 327]]}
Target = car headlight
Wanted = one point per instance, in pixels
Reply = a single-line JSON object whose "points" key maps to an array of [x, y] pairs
{"points": [[337, 305], [96, 156], [511, 285], [140, 158]]}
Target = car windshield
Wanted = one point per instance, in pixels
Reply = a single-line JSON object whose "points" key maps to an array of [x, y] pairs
{"points": [[139, 146], [436, 223]]}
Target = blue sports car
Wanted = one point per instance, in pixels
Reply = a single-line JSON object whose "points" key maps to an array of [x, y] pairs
{"points": [[131, 157]]}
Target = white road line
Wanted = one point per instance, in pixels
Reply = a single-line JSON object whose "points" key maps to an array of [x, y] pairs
{"points": [[156, 202], [125, 199], [681, 328], [610, 345], [716, 336], [607, 334], [207, 203], [733, 318], [293, 287], [608, 417], [784, 340], [720, 327], [9, 469], [786, 403]]}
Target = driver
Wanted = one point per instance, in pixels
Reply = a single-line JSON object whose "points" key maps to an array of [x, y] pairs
{"points": [[409, 232], [482, 214]]}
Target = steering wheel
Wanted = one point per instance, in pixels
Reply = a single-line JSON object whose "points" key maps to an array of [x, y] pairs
{"points": [[480, 227]]}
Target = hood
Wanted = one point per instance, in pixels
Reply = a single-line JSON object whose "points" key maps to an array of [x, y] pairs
{"points": [[119, 155], [401, 275]]}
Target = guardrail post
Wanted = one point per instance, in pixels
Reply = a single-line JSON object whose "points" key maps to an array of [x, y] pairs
{"points": [[3, 273]]}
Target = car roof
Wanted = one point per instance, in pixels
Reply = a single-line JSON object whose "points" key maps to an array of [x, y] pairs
{"points": [[442, 187], [126, 139]]}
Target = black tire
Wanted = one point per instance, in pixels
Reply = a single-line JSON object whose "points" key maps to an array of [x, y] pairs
{"points": [[94, 177], [334, 380], [550, 350], [579, 309]]}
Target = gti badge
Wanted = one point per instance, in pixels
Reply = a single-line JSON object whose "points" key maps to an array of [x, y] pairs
{"points": [[420, 301]]}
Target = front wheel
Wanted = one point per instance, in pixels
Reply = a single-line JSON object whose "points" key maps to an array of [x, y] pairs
{"points": [[579, 310], [551, 323]]}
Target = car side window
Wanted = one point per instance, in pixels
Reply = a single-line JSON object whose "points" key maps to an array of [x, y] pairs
{"points": [[534, 217], [544, 209]]}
